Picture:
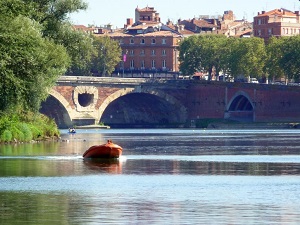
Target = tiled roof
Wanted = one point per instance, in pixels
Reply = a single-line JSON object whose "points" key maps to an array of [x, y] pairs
{"points": [[281, 12], [203, 23]]}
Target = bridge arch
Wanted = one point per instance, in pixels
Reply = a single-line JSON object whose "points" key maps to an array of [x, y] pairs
{"points": [[61, 112], [240, 108], [155, 96]]}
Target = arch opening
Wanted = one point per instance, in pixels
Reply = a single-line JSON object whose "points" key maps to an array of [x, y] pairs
{"points": [[85, 99], [241, 109], [142, 110], [241, 103], [55, 110]]}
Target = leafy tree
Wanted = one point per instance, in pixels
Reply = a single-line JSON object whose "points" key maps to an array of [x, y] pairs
{"points": [[290, 60], [80, 48], [30, 64], [189, 56], [107, 56], [211, 53], [253, 56], [274, 54], [227, 54]]}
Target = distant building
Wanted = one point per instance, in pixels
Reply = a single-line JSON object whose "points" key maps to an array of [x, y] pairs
{"points": [[226, 25], [277, 22], [149, 48]]}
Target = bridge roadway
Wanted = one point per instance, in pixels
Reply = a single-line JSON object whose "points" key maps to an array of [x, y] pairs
{"points": [[144, 102]]}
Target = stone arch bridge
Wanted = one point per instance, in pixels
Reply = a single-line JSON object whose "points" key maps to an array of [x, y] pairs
{"points": [[129, 102]]}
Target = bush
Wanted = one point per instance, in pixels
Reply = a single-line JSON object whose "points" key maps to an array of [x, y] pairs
{"points": [[27, 134], [26, 127], [6, 136]]}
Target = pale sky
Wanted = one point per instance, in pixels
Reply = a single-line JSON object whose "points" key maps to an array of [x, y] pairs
{"points": [[115, 12]]}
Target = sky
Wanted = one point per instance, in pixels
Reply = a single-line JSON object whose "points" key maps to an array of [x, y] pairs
{"points": [[115, 12]]}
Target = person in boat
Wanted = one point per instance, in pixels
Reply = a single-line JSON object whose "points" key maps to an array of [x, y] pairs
{"points": [[109, 141], [72, 130]]}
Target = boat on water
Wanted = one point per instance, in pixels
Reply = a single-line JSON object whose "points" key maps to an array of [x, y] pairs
{"points": [[105, 151], [72, 130]]}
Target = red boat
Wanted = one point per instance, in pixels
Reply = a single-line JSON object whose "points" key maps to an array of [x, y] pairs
{"points": [[106, 151]]}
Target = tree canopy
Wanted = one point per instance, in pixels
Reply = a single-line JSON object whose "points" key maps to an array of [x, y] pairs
{"points": [[241, 56], [108, 55], [35, 49]]}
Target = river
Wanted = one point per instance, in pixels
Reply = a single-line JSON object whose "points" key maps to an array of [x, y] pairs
{"points": [[165, 176]]}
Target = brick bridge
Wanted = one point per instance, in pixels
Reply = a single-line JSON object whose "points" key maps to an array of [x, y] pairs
{"points": [[129, 102]]}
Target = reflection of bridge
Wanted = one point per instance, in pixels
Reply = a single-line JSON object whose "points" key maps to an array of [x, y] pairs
{"points": [[166, 103]]}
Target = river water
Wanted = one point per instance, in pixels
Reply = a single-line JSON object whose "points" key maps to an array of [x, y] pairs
{"points": [[165, 176]]}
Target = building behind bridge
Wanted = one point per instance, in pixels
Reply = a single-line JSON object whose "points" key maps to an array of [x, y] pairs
{"points": [[150, 47]]}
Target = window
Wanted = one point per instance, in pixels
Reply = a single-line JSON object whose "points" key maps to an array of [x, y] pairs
{"points": [[270, 31], [259, 22], [143, 64], [153, 41], [132, 64], [163, 52], [153, 64], [259, 32], [152, 52], [164, 64], [131, 52], [143, 41], [164, 41], [131, 41], [142, 52]]}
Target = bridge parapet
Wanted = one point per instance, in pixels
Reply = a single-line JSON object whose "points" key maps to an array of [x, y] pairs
{"points": [[101, 80]]}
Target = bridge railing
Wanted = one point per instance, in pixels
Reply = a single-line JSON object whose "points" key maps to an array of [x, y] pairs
{"points": [[89, 79]]}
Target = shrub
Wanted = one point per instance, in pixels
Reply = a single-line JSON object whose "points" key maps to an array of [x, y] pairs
{"points": [[6, 136], [24, 128]]}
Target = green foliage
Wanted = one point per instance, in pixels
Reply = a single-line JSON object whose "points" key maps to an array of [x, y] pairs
{"points": [[30, 65], [25, 130], [6, 136], [203, 53], [107, 56], [79, 46], [26, 127]]}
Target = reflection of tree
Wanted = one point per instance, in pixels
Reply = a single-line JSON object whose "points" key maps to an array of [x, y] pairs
{"points": [[29, 208], [29, 149]]}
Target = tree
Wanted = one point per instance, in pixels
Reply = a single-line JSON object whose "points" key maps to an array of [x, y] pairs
{"points": [[211, 53], [52, 15], [274, 55], [80, 48], [189, 55], [108, 55], [290, 60], [30, 64], [252, 60]]}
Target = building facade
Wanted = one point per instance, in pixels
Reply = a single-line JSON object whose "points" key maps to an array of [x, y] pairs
{"points": [[277, 22], [149, 48]]}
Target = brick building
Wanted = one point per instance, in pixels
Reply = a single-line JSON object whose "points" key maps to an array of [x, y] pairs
{"points": [[277, 22], [149, 48]]}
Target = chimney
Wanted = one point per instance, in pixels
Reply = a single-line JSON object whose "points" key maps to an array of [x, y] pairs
{"points": [[129, 21]]}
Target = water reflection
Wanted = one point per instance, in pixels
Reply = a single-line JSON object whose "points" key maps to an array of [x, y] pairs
{"points": [[111, 166], [164, 177]]}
